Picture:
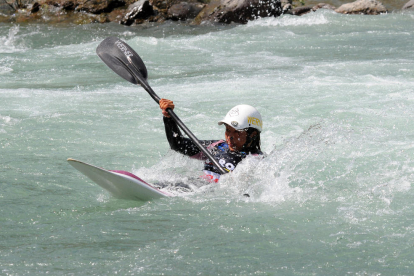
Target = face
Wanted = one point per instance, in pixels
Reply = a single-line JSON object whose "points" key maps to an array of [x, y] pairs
{"points": [[235, 139]]}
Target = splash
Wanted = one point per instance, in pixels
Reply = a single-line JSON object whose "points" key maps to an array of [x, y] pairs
{"points": [[326, 163], [315, 18], [8, 43]]}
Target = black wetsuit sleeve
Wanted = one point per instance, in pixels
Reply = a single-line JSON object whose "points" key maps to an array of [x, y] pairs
{"points": [[178, 142]]}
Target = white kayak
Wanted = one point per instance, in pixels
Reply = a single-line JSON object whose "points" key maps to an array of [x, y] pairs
{"points": [[121, 184]]}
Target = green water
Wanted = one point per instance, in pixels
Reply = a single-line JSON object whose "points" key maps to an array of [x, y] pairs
{"points": [[332, 197]]}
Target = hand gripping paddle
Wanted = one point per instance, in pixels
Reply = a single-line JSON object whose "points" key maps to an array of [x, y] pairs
{"points": [[124, 61]]}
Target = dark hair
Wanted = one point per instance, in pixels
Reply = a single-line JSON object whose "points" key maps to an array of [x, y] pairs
{"points": [[253, 141]]}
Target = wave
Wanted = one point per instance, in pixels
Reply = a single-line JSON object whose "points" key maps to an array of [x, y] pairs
{"points": [[315, 18], [8, 42]]}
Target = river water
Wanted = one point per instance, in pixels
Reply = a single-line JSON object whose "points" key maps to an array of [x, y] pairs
{"points": [[333, 196]]}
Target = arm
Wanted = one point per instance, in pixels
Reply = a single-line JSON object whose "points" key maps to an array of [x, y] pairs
{"points": [[177, 141], [174, 136]]}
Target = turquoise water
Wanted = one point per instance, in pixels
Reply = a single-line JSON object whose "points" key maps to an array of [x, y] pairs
{"points": [[332, 197]]}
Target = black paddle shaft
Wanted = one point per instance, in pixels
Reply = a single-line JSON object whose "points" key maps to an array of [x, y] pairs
{"points": [[124, 61]]}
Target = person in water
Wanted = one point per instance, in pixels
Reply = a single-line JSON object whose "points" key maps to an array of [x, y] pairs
{"points": [[242, 137]]}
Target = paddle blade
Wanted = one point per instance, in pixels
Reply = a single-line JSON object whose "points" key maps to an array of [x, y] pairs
{"points": [[123, 60]]}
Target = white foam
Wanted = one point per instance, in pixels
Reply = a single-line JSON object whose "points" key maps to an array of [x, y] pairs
{"points": [[147, 40], [314, 18], [8, 43]]}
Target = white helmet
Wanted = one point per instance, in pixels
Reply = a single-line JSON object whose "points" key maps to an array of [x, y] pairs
{"points": [[243, 116]]}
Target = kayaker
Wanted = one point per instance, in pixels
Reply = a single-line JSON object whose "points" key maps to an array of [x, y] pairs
{"points": [[242, 137]]}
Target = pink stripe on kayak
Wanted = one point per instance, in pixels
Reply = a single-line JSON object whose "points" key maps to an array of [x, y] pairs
{"points": [[129, 174], [137, 178]]}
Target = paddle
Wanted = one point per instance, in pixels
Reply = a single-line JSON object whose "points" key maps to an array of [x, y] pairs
{"points": [[124, 61]]}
